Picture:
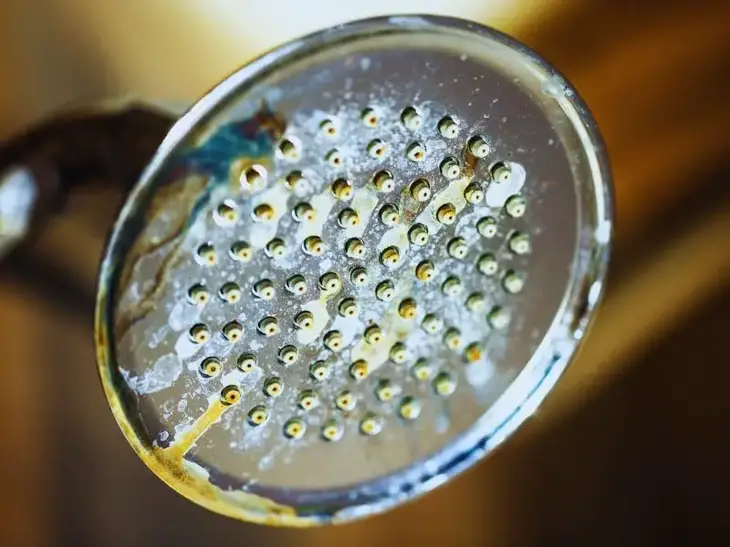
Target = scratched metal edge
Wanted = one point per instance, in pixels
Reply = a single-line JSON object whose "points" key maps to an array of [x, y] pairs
{"points": [[556, 351]]}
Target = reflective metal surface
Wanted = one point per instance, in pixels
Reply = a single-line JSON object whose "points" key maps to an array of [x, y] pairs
{"points": [[18, 194], [258, 184]]}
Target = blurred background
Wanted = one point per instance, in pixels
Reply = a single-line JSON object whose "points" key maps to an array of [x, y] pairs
{"points": [[631, 449]]}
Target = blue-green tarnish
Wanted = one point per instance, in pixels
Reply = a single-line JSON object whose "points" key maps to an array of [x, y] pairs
{"points": [[249, 141], [253, 138]]}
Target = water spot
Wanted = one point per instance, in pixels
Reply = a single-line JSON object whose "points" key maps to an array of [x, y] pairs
{"points": [[479, 372], [184, 347], [160, 376], [321, 317], [499, 193], [158, 336], [183, 315], [553, 87]]}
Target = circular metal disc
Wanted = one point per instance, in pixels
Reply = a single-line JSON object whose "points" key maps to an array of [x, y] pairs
{"points": [[352, 269]]}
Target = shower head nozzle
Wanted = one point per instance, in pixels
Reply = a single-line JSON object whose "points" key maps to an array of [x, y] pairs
{"points": [[352, 269]]}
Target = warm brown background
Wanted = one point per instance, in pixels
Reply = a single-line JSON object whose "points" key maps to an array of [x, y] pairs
{"points": [[633, 449]]}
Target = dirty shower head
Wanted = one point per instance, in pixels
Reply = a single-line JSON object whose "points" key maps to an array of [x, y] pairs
{"points": [[352, 269]]}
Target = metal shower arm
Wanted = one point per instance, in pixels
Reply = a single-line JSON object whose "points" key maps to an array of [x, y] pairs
{"points": [[77, 150]]}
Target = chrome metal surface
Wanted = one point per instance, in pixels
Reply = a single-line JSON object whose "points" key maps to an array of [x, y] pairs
{"points": [[352, 269], [18, 195]]}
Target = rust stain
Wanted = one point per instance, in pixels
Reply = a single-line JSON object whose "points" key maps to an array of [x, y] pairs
{"points": [[186, 196], [181, 196], [192, 186], [217, 157], [185, 442], [473, 354], [170, 466]]}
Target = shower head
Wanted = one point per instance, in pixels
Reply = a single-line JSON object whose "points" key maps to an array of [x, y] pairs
{"points": [[352, 269]]}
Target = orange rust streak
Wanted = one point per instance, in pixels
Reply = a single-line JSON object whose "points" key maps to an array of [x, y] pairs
{"points": [[186, 441]]}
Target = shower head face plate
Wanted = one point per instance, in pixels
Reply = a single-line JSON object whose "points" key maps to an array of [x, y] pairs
{"points": [[353, 268]]}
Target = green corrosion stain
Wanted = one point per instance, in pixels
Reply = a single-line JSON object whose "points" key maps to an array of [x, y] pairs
{"points": [[183, 190]]}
